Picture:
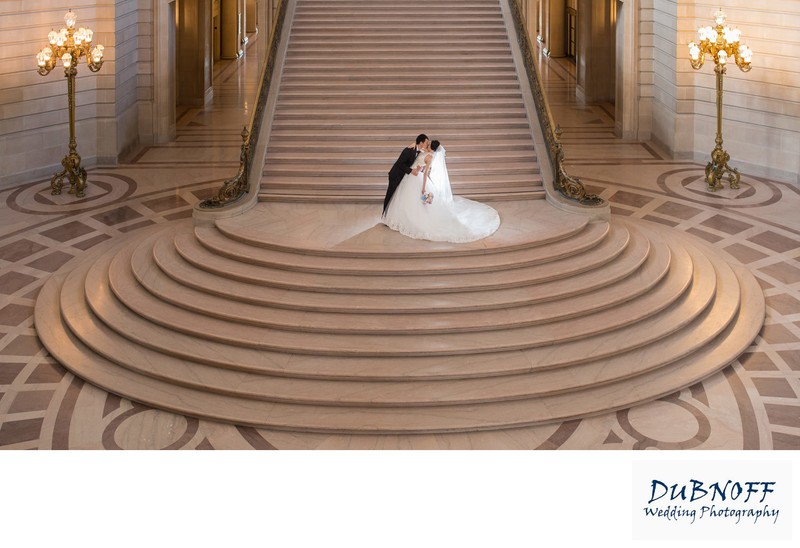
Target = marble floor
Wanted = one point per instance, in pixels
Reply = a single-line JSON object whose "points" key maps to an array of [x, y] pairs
{"points": [[752, 404]]}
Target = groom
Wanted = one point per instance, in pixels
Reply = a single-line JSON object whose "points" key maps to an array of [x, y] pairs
{"points": [[403, 166]]}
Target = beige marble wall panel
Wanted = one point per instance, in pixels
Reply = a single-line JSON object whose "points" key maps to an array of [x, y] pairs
{"points": [[134, 42], [646, 69]]}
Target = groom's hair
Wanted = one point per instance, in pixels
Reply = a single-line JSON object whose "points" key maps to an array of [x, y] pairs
{"points": [[435, 145], [421, 138]]}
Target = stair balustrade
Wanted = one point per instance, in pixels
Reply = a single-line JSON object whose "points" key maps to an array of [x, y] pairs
{"points": [[570, 187], [239, 185]]}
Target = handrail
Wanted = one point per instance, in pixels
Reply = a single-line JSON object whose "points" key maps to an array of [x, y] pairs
{"points": [[239, 185], [570, 187]]}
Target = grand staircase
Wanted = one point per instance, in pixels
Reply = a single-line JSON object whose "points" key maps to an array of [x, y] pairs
{"points": [[362, 79], [305, 314]]}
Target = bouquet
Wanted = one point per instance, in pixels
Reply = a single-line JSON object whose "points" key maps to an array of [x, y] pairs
{"points": [[426, 197]]}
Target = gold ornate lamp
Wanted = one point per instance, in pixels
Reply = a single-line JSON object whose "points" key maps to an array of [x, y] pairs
{"points": [[68, 46], [721, 43]]}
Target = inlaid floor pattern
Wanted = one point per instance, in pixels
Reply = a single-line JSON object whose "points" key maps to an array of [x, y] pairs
{"points": [[358, 85]]}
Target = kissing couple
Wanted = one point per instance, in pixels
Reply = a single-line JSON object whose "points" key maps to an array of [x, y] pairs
{"points": [[419, 201]]}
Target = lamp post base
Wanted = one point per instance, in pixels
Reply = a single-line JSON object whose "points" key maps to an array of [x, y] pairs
{"points": [[73, 172], [717, 168]]}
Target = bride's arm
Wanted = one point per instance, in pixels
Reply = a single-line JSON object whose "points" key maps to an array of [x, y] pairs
{"points": [[425, 173]]}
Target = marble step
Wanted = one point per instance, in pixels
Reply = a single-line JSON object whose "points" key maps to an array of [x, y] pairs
{"points": [[467, 57], [457, 172], [358, 155], [423, 34], [669, 299], [376, 78], [376, 198], [356, 231], [402, 131], [431, 112], [392, 100], [393, 393], [376, 186], [445, 47], [464, 148], [436, 17], [399, 90], [68, 349], [633, 336], [418, 116], [538, 307], [155, 276], [341, 93], [338, 6], [399, 121], [536, 253], [539, 270], [397, 69], [398, 99]]}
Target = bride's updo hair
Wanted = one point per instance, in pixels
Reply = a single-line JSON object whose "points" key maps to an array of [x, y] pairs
{"points": [[435, 145]]}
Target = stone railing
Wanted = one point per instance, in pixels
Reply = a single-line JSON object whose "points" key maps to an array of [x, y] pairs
{"points": [[235, 188], [568, 186]]}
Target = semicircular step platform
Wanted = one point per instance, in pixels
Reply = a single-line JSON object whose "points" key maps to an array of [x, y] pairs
{"points": [[317, 318]]}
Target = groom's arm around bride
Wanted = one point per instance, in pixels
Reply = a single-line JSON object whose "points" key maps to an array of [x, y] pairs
{"points": [[400, 169]]}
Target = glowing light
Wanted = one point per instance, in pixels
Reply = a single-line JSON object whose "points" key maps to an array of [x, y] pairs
{"points": [[70, 19]]}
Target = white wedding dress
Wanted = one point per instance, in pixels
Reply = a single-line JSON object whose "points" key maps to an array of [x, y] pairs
{"points": [[448, 218]]}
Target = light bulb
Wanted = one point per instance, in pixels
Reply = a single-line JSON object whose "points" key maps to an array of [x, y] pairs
{"points": [[40, 58], [719, 16], [52, 36], [723, 57], [70, 19], [746, 54], [726, 34], [736, 34], [89, 34], [97, 54], [694, 51], [48, 53], [67, 60]]}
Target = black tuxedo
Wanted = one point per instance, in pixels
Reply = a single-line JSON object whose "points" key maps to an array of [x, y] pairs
{"points": [[400, 168]]}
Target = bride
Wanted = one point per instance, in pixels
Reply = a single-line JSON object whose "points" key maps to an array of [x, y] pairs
{"points": [[424, 208]]}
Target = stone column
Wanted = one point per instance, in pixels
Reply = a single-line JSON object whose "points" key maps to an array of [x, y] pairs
{"points": [[627, 92], [230, 29], [556, 28], [251, 16], [596, 55], [193, 44]]}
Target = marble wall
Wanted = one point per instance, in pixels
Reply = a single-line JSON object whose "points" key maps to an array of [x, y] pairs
{"points": [[134, 74], [761, 114]]}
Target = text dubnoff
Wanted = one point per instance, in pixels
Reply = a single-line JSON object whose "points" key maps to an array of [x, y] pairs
{"points": [[735, 502]]}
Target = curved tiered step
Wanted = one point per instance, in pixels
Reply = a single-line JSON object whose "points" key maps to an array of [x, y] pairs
{"points": [[271, 320], [355, 90]]}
